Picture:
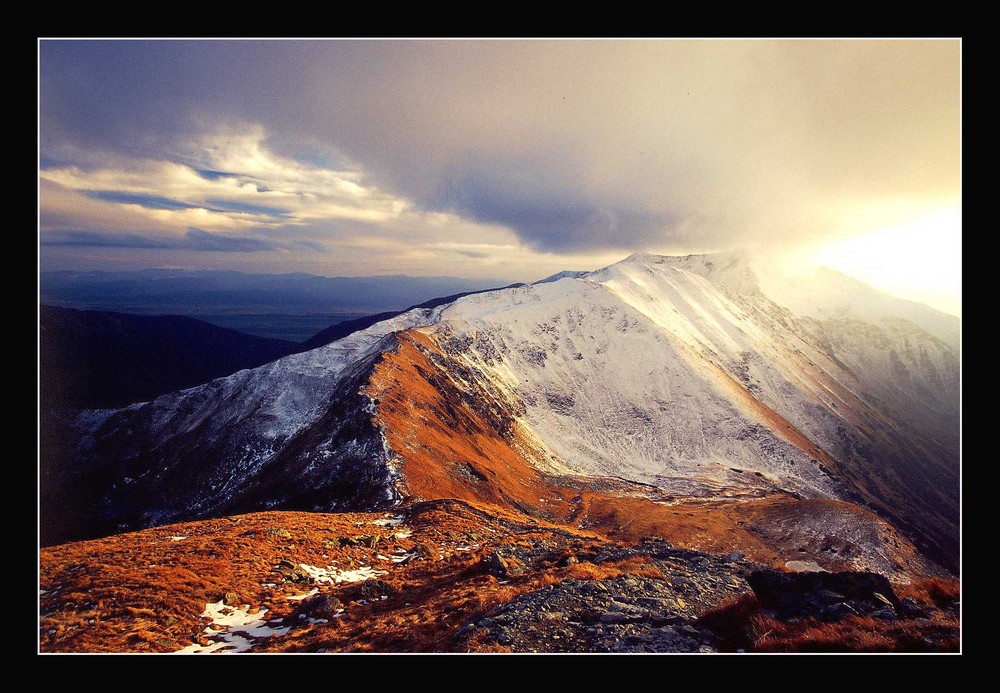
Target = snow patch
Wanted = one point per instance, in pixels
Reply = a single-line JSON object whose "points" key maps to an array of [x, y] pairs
{"points": [[239, 629], [391, 521], [331, 576], [805, 567]]}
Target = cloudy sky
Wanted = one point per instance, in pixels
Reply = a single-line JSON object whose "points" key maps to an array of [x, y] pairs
{"points": [[502, 159]]}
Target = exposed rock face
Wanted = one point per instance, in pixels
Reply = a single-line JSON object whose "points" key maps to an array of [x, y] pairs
{"points": [[830, 596], [654, 608]]}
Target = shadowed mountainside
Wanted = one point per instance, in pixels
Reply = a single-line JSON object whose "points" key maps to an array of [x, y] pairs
{"points": [[94, 359]]}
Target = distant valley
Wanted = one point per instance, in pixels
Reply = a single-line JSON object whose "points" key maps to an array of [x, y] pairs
{"points": [[291, 307]]}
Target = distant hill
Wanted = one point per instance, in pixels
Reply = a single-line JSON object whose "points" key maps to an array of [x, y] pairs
{"points": [[200, 293], [94, 359]]}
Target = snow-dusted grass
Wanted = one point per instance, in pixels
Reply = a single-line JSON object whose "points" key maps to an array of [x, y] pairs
{"points": [[637, 371], [391, 521], [239, 629], [331, 575]]}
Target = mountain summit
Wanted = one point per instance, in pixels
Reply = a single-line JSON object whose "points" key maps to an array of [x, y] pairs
{"points": [[674, 378]]}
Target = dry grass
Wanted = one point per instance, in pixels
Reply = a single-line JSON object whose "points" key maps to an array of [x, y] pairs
{"points": [[941, 593], [742, 625], [143, 592], [447, 438]]}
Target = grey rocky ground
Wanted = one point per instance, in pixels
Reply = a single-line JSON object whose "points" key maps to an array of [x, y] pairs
{"points": [[627, 613]]}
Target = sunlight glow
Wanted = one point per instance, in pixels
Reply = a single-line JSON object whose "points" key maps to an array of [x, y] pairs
{"points": [[919, 258]]}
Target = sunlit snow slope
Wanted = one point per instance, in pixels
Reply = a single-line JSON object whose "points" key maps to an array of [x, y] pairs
{"points": [[680, 372]]}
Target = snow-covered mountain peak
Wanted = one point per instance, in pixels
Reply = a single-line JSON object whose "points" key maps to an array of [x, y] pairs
{"points": [[692, 374], [565, 274], [643, 258]]}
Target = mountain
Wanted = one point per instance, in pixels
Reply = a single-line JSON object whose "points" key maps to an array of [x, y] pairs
{"points": [[672, 384], [96, 359]]}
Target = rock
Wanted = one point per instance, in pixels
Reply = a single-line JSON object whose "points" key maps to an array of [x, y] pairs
{"points": [[567, 561], [886, 613], [516, 567], [279, 532], [374, 589], [885, 600], [829, 596], [494, 564], [323, 606], [423, 550], [614, 617], [911, 608], [797, 595], [232, 599], [661, 618], [292, 572], [837, 612], [734, 556]]}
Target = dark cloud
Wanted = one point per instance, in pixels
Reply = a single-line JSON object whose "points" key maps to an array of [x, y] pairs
{"points": [[219, 205], [194, 240], [148, 201], [550, 222], [209, 174], [159, 202]]}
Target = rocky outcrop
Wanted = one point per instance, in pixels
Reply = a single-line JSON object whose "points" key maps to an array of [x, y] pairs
{"points": [[830, 596], [652, 606]]}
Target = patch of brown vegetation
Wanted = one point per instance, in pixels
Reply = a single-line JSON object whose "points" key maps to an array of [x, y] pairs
{"points": [[144, 592], [446, 435], [743, 626], [940, 592], [702, 526]]}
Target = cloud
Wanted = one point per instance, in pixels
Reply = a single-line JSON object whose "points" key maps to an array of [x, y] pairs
{"points": [[148, 201], [194, 240], [557, 151], [559, 223]]}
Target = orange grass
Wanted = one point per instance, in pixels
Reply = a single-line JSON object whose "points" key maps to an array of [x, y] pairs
{"points": [[742, 625]]}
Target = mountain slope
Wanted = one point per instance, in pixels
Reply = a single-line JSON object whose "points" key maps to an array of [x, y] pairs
{"points": [[439, 576], [93, 359], [679, 374]]}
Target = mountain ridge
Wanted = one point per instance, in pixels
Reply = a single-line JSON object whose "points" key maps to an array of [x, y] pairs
{"points": [[760, 390]]}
